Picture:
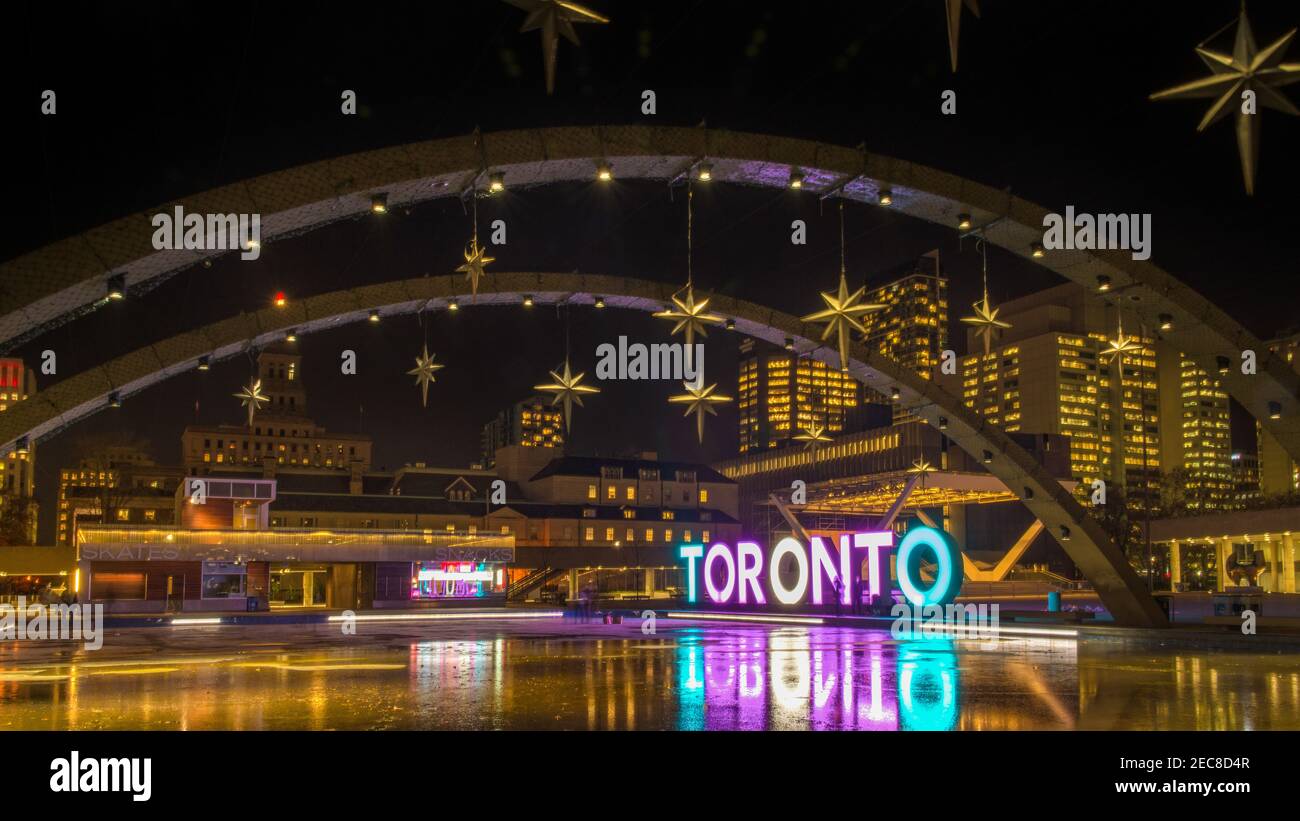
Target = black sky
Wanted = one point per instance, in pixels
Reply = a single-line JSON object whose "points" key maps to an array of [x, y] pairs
{"points": [[165, 100]]}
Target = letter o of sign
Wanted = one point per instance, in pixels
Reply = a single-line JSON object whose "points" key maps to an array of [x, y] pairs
{"points": [[792, 595], [724, 595], [948, 573]]}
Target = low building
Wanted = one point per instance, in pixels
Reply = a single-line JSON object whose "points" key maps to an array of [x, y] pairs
{"points": [[1222, 550], [224, 556], [116, 484], [415, 537]]}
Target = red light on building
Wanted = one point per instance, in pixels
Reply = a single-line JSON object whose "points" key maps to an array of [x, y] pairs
{"points": [[11, 373]]}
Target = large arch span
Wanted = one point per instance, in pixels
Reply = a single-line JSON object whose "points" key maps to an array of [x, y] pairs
{"points": [[76, 397], [54, 283]]}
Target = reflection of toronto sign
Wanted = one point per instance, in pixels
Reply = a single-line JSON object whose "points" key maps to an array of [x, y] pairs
{"points": [[817, 572]]}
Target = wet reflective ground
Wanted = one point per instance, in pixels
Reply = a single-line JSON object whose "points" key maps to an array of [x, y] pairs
{"points": [[548, 674]]}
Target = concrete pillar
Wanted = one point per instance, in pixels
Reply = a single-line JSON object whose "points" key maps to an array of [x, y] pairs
{"points": [[1175, 566], [1275, 566], [1222, 548], [1288, 563], [955, 522], [649, 582], [573, 583]]}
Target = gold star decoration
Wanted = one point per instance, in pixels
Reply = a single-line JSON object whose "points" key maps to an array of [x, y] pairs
{"points": [[252, 398], [423, 372], [814, 435], [476, 260], [568, 389], [554, 18], [841, 316], [842, 308], [1120, 345], [1248, 68], [986, 316], [920, 466], [690, 316], [954, 24], [986, 320], [700, 401]]}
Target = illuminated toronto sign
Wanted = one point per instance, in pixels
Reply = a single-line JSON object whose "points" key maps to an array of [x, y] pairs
{"points": [[795, 573]]}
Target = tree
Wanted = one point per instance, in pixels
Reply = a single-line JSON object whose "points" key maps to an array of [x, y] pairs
{"points": [[17, 520]]}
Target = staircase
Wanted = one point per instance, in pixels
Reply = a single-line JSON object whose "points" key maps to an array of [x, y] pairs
{"points": [[531, 582]]}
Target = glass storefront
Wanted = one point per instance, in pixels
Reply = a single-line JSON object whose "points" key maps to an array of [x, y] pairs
{"points": [[292, 587], [456, 580]]}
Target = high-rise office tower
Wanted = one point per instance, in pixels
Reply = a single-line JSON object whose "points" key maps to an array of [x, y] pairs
{"points": [[1278, 472], [531, 423], [781, 395], [913, 326], [18, 465], [1048, 374], [1198, 442]]}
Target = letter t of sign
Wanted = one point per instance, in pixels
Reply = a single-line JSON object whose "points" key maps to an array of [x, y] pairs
{"points": [[690, 552], [878, 545]]}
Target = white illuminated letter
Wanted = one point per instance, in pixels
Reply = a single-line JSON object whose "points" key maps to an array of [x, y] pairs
{"points": [[750, 561], [783, 594], [878, 545], [690, 552], [822, 565]]}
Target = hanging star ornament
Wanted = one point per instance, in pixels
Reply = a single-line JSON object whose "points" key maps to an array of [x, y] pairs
{"points": [[985, 320], [1121, 344], [699, 401], [476, 259], [252, 398], [554, 18], [920, 466], [814, 435], [423, 372], [1247, 69], [568, 389], [841, 316], [954, 24], [690, 316]]}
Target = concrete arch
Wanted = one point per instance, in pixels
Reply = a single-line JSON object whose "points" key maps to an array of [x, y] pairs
{"points": [[54, 283], [1082, 538]]}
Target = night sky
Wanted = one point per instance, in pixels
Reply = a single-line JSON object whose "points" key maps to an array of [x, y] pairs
{"points": [[159, 102]]}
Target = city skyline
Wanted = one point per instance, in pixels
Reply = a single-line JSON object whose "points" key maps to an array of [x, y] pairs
{"points": [[551, 365]]}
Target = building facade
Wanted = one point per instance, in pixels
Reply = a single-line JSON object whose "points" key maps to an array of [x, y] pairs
{"points": [[419, 536], [533, 422], [1132, 418], [1198, 445], [781, 395], [18, 506], [282, 434], [119, 484], [1279, 474], [913, 326]]}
